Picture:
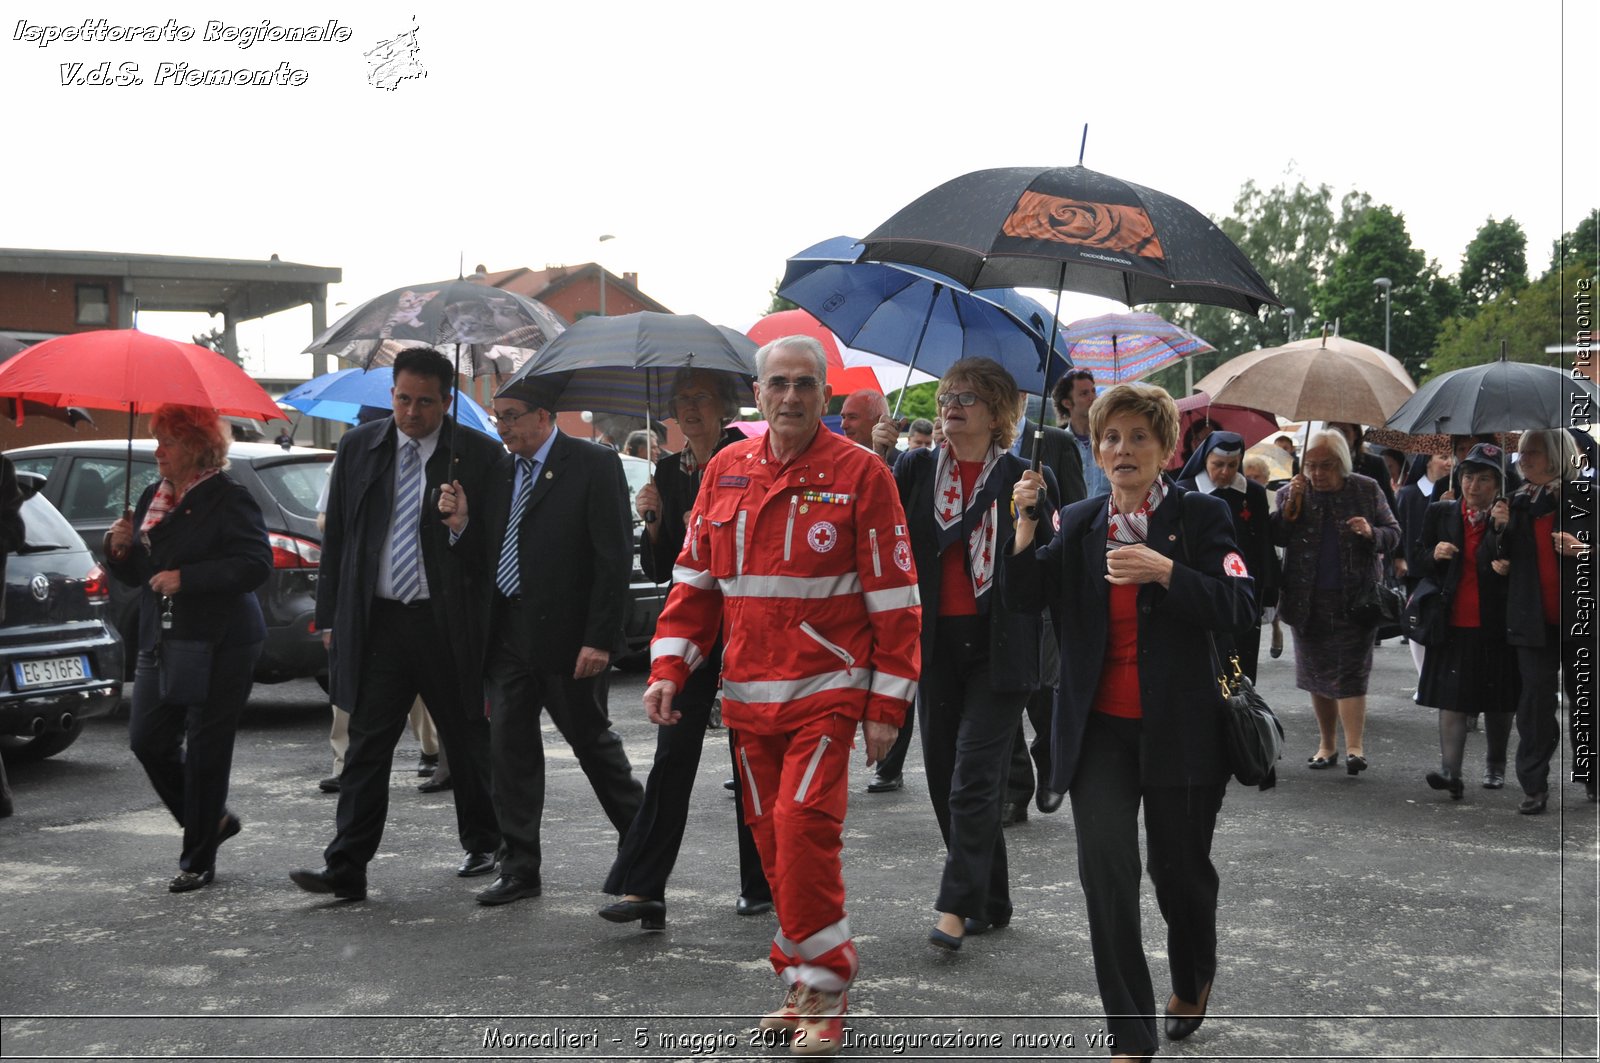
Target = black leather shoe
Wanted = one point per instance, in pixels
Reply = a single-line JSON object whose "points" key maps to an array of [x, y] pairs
{"points": [[508, 888], [882, 784], [1013, 812], [345, 887], [1440, 780], [729, 785], [1355, 764], [231, 825], [427, 764], [745, 906], [436, 785], [1534, 804], [1180, 1026], [330, 785], [1047, 800], [652, 915], [1494, 779], [940, 940], [190, 880], [476, 864], [982, 926], [1316, 763]]}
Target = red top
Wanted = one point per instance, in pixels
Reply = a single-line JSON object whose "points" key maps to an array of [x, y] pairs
{"points": [[955, 583], [1544, 547], [1464, 607], [1118, 693]]}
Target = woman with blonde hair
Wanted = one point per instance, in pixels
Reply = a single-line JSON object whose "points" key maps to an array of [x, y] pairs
{"points": [[197, 548]]}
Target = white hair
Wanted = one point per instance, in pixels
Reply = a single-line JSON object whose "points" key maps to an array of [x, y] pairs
{"points": [[810, 344], [1335, 441], [1560, 450]]}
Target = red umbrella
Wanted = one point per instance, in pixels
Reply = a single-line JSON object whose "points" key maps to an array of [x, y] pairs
{"points": [[845, 380], [1253, 425], [125, 369]]}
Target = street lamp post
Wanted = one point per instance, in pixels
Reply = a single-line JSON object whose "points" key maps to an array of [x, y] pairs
{"points": [[602, 270], [1386, 284], [1288, 312]]}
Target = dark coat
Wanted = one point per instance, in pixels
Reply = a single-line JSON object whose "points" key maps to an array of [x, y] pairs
{"points": [[575, 551], [216, 541], [656, 556], [1181, 740], [1443, 523], [1059, 453], [1374, 468], [1358, 558], [360, 507], [1252, 528], [1525, 625], [1015, 650], [1410, 509], [13, 534]]}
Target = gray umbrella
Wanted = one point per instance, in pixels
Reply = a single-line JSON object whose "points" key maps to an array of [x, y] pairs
{"points": [[1498, 396]]}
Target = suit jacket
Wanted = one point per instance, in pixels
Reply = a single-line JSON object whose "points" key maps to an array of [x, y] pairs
{"points": [[1014, 638], [1575, 513], [12, 531], [360, 509], [217, 542], [1059, 452], [1443, 523], [1181, 740], [574, 549]]}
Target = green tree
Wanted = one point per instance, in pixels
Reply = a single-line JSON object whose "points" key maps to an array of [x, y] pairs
{"points": [[1291, 234], [1380, 247], [919, 400], [1579, 250], [777, 302], [1496, 261]]}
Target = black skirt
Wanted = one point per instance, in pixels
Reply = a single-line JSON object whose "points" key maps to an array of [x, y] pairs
{"points": [[1471, 671]]}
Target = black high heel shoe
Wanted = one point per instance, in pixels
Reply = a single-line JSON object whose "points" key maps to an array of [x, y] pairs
{"points": [[1318, 763], [652, 915], [1443, 780], [939, 939], [1355, 763], [1180, 1026]]}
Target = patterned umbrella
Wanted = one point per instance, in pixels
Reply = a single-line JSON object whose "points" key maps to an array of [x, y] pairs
{"points": [[1121, 347]]}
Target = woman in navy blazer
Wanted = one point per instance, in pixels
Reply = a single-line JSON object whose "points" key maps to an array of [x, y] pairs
{"points": [[979, 661], [1135, 578], [197, 546]]}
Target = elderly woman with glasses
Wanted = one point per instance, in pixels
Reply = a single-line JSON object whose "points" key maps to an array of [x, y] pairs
{"points": [[1137, 577], [1334, 524], [979, 660], [704, 401]]}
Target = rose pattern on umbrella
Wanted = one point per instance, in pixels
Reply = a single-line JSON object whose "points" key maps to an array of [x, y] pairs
{"points": [[1105, 226]]}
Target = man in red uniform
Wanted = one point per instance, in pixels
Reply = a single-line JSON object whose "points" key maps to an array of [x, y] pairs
{"points": [[797, 554]]}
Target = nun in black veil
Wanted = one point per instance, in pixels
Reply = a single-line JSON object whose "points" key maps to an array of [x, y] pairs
{"points": [[1214, 469]]}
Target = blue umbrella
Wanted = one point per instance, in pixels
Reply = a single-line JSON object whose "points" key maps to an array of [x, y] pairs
{"points": [[919, 317], [339, 397]]}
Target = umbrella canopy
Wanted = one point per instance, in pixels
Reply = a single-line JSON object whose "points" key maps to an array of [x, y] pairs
{"points": [[849, 370], [497, 331], [1497, 396], [1070, 228], [1306, 383], [1212, 382], [125, 369], [340, 396], [1279, 465], [1117, 348], [622, 364], [1251, 425], [917, 317]]}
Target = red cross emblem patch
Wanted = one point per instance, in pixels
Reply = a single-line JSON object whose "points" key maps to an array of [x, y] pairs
{"points": [[823, 536], [1233, 565]]}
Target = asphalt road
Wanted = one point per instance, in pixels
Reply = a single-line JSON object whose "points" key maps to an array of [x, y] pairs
{"points": [[1362, 918]]}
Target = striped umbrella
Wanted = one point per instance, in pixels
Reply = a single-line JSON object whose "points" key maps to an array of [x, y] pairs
{"points": [[1118, 348]]}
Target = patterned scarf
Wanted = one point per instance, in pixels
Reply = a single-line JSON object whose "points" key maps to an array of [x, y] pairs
{"points": [[1474, 517], [949, 507], [1130, 529], [167, 499]]}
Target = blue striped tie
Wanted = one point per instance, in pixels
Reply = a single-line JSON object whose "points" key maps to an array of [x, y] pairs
{"points": [[405, 567], [508, 575]]}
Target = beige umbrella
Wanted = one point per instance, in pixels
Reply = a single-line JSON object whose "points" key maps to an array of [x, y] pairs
{"points": [[1306, 382], [1349, 348]]}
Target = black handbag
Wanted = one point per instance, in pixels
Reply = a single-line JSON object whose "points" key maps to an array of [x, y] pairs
{"points": [[183, 666], [1251, 731], [1426, 617], [1378, 605]]}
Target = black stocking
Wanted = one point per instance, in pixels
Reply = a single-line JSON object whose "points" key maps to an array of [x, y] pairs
{"points": [[1497, 735], [1452, 742]]}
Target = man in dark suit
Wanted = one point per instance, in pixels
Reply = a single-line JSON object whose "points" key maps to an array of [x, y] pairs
{"points": [[552, 537], [1059, 453], [392, 609]]}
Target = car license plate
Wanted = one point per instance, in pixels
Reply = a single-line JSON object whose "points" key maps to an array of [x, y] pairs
{"points": [[52, 671]]}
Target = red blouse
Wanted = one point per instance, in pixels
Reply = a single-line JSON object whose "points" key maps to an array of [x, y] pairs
{"points": [[955, 583], [1118, 693], [1544, 547], [1464, 611]]}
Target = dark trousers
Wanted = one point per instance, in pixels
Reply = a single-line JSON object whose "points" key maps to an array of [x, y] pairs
{"points": [[894, 762], [1539, 711], [1026, 758], [651, 846], [518, 690], [1178, 824], [407, 656], [187, 750], [966, 752]]}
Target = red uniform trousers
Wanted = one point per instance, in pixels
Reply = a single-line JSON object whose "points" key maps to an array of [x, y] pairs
{"points": [[796, 788]]}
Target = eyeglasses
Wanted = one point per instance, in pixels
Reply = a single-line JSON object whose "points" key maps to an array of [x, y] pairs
{"points": [[958, 398], [698, 398], [506, 420], [1319, 466], [780, 384]]}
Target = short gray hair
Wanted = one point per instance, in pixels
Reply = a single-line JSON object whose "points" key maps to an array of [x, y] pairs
{"points": [[1335, 441], [1560, 450], [811, 344], [721, 387]]}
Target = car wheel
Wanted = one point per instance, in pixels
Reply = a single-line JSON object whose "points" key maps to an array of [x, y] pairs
{"points": [[24, 748]]}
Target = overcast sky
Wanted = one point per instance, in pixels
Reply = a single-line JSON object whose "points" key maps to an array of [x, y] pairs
{"points": [[715, 139]]}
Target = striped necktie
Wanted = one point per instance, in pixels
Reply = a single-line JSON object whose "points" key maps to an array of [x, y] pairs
{"points": [[405, 537], [508, 575]]}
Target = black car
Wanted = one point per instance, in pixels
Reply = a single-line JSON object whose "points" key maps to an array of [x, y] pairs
{"points": [[62, 663], [86, 480]]}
